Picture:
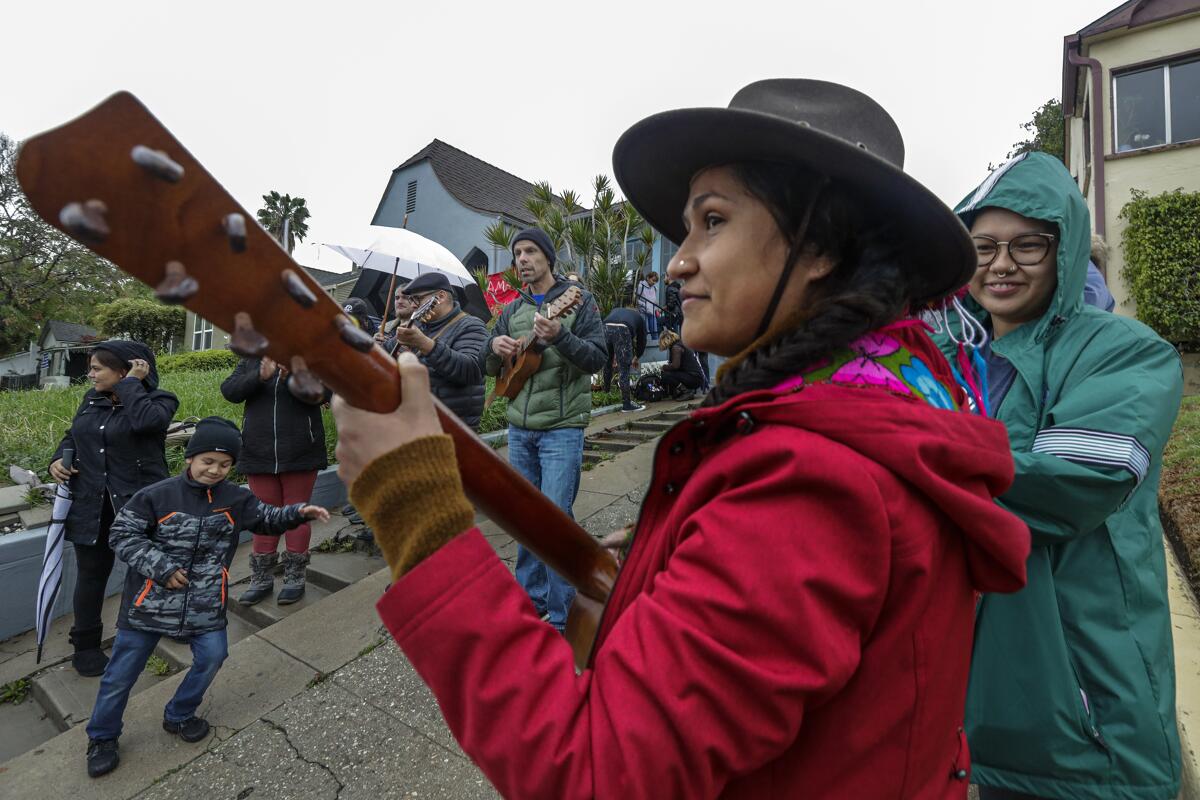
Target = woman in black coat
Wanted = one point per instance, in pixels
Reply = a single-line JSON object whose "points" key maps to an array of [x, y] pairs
{"points": [[283, 448], [118, 437]]}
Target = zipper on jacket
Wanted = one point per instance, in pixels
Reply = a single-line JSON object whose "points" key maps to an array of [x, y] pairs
{"points": [[187, 592], [145, 591], [1087, 709], [275, 420]]}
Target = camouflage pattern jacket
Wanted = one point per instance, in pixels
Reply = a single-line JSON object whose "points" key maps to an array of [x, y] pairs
{"points": [[176, 524]]}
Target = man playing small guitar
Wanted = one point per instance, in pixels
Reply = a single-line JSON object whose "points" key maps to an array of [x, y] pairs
{"points": [[449, 341], [547, 417]]}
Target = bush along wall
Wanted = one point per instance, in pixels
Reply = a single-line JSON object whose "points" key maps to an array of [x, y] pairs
{"points": [[197, 361], [1162, 263]]}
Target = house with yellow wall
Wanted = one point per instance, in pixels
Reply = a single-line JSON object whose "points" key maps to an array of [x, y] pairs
{"points": [[1131, 99]]}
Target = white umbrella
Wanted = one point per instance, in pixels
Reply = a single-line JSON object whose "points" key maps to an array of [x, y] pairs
{"points": [[51, 580], [408, 255]]}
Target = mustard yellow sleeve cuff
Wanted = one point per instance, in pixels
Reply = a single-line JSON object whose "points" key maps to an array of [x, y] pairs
{"points": [[413, 500]]}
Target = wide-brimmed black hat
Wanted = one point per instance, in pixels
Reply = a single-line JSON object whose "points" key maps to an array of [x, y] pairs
{"points": [[826, 127]]}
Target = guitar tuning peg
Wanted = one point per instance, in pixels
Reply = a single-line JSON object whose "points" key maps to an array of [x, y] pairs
{"points": [[157, 163], [353, 335], [177, 287], [234, 226], [86, 221], [298, 290], [303, 384], [246, 341]]}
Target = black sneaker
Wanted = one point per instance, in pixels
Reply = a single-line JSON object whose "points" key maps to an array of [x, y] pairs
{"points": [[192, 729], [630, 408], [102, 757]]}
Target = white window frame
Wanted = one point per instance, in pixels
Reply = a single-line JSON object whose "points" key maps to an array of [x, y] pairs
{"points": [[1166, 67], [202, 333]]}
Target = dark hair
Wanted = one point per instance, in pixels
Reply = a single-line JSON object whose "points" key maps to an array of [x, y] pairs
{"points": [[108, 359], [867, 288]]}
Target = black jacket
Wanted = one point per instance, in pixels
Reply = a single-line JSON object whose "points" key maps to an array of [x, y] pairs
{"points": [[636, 323], [455, 363], [119, 447], [279, 432], [182, 524]]}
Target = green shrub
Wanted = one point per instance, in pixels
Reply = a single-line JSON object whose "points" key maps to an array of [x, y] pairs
{"points": [[198, 361], [1161, 244]]}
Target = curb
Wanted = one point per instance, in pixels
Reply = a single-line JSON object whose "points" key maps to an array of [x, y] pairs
{"points": [[1185, 630]]}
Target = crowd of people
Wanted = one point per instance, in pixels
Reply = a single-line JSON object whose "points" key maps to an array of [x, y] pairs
{"points": [[909, 540]]}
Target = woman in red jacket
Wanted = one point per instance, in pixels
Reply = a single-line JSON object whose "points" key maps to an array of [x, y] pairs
{"points": [[794, 613]]}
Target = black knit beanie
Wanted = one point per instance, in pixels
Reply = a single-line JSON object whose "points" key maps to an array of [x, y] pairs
{"points": [[538, 237], [215, 435]]}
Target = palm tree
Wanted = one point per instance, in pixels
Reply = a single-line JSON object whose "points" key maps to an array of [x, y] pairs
{"points": [[279, 208]]}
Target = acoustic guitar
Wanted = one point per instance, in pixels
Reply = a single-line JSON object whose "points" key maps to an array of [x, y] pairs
{"points": [[520, 367], [422, 314], [117, 181]]}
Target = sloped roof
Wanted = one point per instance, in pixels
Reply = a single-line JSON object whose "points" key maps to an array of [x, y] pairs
{"points": [[69, 331], [474, 182], [327, 278], [1136, 13]]}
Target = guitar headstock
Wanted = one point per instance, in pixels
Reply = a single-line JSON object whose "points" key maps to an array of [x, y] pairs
{"points": [[117, 181], [426, 309], [563, 304]]}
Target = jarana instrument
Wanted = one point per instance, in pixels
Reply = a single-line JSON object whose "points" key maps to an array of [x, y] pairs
{"points": [[520, 367], [116, 180]]}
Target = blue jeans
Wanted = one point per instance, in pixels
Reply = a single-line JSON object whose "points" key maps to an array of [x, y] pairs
{"points": [[550, 460], [129, 655]]}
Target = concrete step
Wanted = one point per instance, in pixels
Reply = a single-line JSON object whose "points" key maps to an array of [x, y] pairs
{"points": [[24, 726], [609, 445], [633, 437], [179, 654], [268, 612], [333, 571], [651, 425], [67, 697], [595, 457], [673, 416]]}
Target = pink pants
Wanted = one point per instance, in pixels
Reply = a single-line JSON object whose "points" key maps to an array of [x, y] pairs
{"points": [[283, 490]]}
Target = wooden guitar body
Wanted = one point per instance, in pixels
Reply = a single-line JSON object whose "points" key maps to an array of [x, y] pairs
{"points": [[117, 180], [516, 371]]}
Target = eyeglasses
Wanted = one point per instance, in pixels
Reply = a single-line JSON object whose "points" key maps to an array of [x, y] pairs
{"points": [[1025, 250]]}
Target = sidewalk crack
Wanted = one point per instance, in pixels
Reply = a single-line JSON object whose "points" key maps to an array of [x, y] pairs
{"points": [[287, 738]]}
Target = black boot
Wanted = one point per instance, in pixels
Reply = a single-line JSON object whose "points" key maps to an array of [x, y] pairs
{"points": [[89, 660], [293, 577], [192, 729], [102, 757], [262, 578]]}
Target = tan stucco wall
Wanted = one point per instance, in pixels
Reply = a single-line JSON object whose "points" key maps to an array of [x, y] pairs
{"points": [[1153, 172]]}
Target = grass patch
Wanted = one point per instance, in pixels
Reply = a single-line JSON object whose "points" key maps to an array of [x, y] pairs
{"points": [[15, 691], [336, 545], [33, 422], [157, 665], [1181, 458]]}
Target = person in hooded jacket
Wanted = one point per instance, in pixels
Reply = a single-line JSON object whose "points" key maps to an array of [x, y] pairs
{"points": [[118, 438], [283, 449], [1072, 690], [794, 614]]}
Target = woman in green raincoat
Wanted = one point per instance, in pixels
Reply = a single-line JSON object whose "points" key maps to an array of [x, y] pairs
{"points": [[1072, 690]]}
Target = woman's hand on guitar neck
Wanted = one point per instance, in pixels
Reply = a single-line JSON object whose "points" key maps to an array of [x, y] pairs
{"points": [[363, 436]]}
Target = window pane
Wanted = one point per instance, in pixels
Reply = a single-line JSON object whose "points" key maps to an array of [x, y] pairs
{"points": [[1185, 102], [1141, 110]]}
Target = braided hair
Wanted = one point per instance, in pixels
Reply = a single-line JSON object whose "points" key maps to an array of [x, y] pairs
{"points": [[868, 287]]}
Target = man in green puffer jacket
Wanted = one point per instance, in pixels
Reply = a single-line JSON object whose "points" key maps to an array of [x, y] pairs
{"points": [[1072, 690], [546, 419]]}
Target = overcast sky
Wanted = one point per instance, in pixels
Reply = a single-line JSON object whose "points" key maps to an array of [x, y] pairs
{"points": [[324, 100]]}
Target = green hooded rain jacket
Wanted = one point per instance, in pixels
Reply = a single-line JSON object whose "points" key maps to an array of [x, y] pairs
{"points": [[1072, 689]]}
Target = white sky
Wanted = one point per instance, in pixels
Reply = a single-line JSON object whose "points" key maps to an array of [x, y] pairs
{"points": [[323, 100]]}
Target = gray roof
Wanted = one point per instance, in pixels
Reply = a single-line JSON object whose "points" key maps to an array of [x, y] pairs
{"points": [[70, 331], [474, 182], [327, 278]]}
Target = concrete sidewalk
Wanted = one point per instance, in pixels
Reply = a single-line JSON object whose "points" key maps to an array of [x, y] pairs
{"points": [[318, 705]]}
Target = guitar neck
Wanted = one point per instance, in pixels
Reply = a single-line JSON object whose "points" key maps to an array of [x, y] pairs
{"points": [[165, 220]]}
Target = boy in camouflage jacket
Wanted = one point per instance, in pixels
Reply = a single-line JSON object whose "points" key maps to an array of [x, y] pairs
{"points": [[178, 537]]}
